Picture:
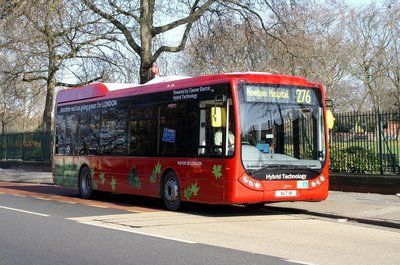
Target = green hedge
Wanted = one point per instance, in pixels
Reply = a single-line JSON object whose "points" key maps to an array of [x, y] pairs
{"points": [[354, 159]]}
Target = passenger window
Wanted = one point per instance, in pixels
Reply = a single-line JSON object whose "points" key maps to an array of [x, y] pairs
{"points": [[143, 132], [113, 133], [89, 125], [177, 129]]}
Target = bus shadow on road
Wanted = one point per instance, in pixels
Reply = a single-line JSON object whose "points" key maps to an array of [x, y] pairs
{"points": [[152, 204], [235, 210]]}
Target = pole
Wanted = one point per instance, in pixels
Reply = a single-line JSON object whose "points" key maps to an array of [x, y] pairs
{"points": [[380, 132]]}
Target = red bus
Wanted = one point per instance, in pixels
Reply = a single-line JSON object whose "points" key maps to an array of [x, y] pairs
{"points": [[237, 138]]}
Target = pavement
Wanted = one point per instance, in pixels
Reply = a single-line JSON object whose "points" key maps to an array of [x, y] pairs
{"points": [[27, 176], [367, 208], [388, 183]]}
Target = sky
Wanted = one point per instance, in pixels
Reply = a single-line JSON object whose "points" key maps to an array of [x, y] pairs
{"points": [[356, 3]]}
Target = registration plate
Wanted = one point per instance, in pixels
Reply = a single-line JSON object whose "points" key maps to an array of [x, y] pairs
{"points": [[285, 193]]}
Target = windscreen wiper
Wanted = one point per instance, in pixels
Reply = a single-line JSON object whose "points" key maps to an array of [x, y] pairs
{"points": [[293, 167], [283, 166]]}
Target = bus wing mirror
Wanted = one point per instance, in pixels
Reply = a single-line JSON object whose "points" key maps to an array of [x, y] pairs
{"points": [[330, 119], [217, 117]]}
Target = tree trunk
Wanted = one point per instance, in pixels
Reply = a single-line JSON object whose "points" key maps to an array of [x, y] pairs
{"points": [[145, 71], [146, 56], [50, 88], [48, 105]]}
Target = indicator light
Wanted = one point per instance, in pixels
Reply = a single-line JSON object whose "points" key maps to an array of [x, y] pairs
{"points": [[251, 183], [313, 184], [322, 178], [318, 182]]}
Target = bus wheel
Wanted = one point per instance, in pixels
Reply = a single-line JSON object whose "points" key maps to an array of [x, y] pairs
{"points": [[171, 195], [85, 183]]}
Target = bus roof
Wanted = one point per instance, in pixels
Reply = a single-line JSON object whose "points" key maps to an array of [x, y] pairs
{"points": [[98, 90]]}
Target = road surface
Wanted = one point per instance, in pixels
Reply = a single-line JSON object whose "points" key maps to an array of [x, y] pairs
{"points": [[44, 224]]}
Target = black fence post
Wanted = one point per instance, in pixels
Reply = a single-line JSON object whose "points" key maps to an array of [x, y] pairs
{"points": [[1, 146], [380, 141]]}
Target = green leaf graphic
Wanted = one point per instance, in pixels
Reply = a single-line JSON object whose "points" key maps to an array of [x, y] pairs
{"points": [[217, 171], [113, 183], [133, 178], [92, 172], [156, 172], [95, 184], [191, 190], [79, 164], [102, 178]]}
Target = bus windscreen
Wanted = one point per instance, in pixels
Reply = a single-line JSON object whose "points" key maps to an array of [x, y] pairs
{"points": [[281, 126]]}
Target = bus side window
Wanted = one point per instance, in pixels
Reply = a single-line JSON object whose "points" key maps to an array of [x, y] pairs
{"points": [[177, 129], [60, 139], [88, 133], [71, 132], [142, 131], [113, 133]]}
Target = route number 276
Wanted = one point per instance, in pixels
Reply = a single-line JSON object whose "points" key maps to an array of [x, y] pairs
{"points": [[303, 96]]}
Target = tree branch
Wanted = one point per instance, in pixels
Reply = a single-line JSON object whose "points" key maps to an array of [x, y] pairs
{"points": [[176, 48], [31, 79], [116, 23], [195, 13], [126, 13], [248, 9], [80, 84]]}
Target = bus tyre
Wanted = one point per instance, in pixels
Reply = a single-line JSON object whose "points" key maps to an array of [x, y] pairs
{"points": [[171, 194], [85, 183]]}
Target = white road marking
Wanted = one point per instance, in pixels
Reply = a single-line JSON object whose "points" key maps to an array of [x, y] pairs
{"points": [[130, 230], [19, 195], [23, 211], [300, 262], [98, 206], [67, 202], [41, 198]]}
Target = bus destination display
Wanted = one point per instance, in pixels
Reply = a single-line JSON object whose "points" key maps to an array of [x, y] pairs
{"points": [[274, 94]]}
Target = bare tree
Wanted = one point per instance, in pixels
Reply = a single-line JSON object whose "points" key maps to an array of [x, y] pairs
{"points": [[370, 37], [393, 51], [54, 34], [144, 23], [304, 39], [19, 102], [353, 52]]}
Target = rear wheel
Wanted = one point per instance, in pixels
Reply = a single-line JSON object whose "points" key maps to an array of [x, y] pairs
{"points": [[85, 183], [171, 194]]}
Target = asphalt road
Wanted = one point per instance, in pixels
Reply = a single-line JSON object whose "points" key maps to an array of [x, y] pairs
{"points": [[46, 224], [37, 231]]}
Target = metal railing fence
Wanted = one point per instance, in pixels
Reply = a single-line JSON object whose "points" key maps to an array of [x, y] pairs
{"points": [[359, 143], [363, 142], [26, 146]]}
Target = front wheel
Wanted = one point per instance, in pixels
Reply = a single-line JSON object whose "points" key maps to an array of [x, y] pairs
{"points": [[85, 183], [171, 193]]}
